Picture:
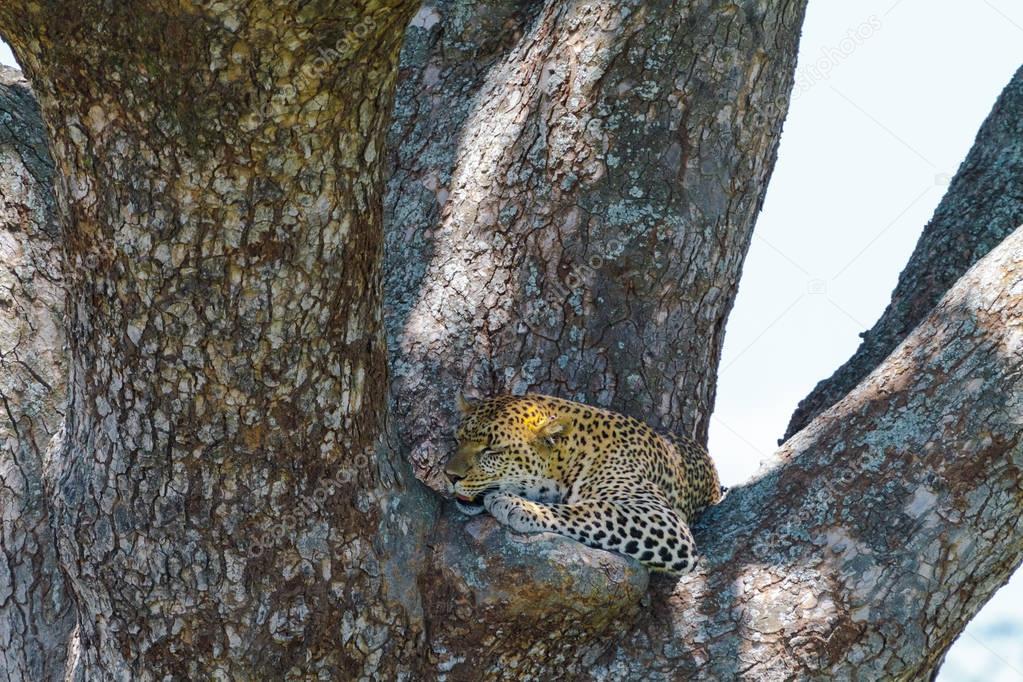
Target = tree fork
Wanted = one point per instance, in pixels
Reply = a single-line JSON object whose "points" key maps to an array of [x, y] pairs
{"points": [[983, 205], [169, 525]]}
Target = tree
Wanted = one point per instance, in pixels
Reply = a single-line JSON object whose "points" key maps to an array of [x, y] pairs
{"points": [[218, 186], [231, 496], [36, 610], [980, 210]]}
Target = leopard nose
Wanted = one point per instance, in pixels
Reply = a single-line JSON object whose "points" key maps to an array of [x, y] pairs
{"points": [[454, 477]]}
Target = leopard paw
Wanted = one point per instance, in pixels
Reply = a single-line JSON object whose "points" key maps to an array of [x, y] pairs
{"points": [[512, 511], [469, 509]]}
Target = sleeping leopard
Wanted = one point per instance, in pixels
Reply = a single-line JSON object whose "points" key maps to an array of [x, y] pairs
{"points": [[539, 463]]}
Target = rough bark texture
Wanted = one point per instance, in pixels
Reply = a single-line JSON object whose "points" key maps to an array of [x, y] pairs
{"points": [[222, 501], [984, 203], [230, 499], [574, 189], [860, 552], [36, 611], [877, 532]]}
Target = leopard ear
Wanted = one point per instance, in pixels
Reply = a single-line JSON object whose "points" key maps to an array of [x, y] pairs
{"points": [[465, 406], [555, 427]]}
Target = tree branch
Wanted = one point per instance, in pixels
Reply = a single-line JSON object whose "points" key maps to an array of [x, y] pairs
{"points": [[983, 204], [860, 552]]}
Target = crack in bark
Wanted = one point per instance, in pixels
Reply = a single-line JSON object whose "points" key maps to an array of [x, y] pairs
{"points": [[188, 440]]}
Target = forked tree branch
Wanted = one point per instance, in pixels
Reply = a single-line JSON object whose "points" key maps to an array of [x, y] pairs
{"points": [[860, 552], [983, 205]]}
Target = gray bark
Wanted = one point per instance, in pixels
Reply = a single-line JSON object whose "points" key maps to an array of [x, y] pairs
{"points": [[984, 203], [231, 501], [573, 194], [225, 508], [876, 533], [36, 611]]}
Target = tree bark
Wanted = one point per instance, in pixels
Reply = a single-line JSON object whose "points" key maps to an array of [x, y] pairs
{"points": [[232, 502], [878, 531], [983, 205], [573, 192], [223, 501], [36, 610], [860, 552]]}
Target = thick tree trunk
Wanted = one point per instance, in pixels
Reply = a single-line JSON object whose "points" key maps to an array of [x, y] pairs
{"points": [[230, 499], [36, 611], [984, 204], [223, 503], [574, 189]]}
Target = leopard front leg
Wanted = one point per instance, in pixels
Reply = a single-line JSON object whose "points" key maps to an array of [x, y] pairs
{"points": [[646, 530]]}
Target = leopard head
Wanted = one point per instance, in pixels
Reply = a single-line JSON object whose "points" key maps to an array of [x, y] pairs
{"points": [[504, 444]]}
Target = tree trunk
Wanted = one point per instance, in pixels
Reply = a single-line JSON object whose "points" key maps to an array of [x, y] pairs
{"points": [[223, 503], [36, 611], [983, 205], [573, 194], [232, 502]]}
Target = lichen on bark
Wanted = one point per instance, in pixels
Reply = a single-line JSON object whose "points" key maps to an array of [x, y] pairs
{"points": [[571, 199]]}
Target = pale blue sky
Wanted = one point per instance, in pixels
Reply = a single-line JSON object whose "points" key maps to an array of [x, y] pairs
{"points": [[878, 124], [871, 138]]}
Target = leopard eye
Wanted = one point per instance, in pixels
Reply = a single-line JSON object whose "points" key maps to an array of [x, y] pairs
{"points": [[488, 456]]}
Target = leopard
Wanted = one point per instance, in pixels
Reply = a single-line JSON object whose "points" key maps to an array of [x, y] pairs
{"points": [[539, 463]]}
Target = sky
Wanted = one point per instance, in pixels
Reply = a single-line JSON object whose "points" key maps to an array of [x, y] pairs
{"points": [[889, 96], [877, 126]]}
